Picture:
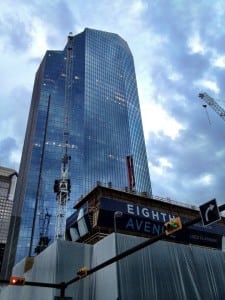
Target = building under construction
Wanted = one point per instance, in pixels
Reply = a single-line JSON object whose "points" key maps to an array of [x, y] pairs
{"points": [[105, 210], [111, 253]]}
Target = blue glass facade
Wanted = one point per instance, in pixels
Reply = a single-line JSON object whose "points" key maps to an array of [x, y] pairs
{"points": [[104, 127]]}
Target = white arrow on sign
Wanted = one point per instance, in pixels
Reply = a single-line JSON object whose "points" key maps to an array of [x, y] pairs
{"points": [[210, 208]]}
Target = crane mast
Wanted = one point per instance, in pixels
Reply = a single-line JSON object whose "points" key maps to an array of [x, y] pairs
{"points": [[62, 190], [215, 106], [62, 186]]}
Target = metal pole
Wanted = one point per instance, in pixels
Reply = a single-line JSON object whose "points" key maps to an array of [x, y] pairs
{"points": [[39, 187], [117, 214], [62, 289]]}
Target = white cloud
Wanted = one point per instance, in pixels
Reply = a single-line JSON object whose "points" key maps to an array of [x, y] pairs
{"points": [[175, 76], [15, 157], [156, 120], [208, 84], [137, 8], [163, 165], [195, 44], [219, 61], [205, 180], [38, 33]]}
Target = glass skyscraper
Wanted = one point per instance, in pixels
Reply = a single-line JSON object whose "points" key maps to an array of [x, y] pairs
{"points": [[90, 96]]}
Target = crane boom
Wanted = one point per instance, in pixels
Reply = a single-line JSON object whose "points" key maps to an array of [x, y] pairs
{"points": [[215, 106]]}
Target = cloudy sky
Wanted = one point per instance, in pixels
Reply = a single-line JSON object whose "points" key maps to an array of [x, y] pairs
{"points": [[179, 51]]}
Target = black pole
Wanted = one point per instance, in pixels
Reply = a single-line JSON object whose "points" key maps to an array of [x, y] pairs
{"points": [[37, 198], [62, 289]]}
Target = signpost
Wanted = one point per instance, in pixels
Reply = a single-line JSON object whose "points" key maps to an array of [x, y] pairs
{"points": [[209, 212]]}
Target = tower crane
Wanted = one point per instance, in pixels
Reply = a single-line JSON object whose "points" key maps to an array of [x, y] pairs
{"points": [[215, 106], [62, 186]]}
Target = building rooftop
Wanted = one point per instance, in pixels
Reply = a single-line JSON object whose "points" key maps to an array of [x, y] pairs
{"points": [[105, 210], [5, 172]]}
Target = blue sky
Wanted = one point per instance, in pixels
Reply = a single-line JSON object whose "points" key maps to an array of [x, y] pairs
{"points": [[179, 51]]}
